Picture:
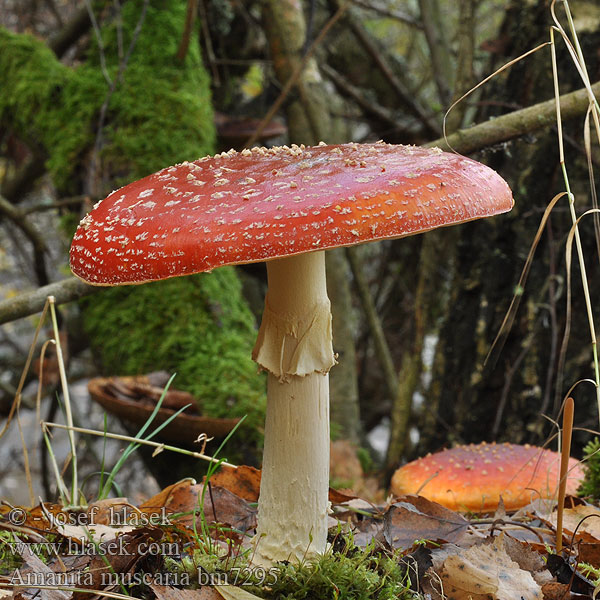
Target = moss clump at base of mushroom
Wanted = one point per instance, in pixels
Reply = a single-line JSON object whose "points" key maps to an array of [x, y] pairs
{"points": [[199, 327], [351, 573], [159, 113]]}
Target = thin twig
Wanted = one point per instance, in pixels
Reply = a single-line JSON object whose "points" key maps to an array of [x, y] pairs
{"points": [[382, 348], [127, 438], [553, 295], [63, 39], [18, 218], [15, 188], [37, 242], [508, 379], [378, 58], [119, 20], [439, 48], [210, 53], [390, 14], [190, 20], [367, 105], [64, 202], [98, 35]]}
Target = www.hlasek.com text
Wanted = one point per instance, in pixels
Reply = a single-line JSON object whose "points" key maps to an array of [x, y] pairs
{"points": [[116, 547]]}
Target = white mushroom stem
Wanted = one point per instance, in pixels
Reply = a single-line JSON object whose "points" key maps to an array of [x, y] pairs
{"points": [[295, 346]]}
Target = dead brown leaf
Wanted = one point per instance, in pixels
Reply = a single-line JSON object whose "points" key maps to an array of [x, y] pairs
{"points": [[486, 571], [47, 369], [413, 518], [558, 591], [339, 497], [585, 519], [589, 552], [243, 481], [220, 506], [116, 557], [111, 511], [527, 559], [34, 574], [223, 506], [181, 497]]}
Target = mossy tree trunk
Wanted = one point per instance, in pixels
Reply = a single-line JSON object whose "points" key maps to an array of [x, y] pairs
{"points": [[157, 110]]}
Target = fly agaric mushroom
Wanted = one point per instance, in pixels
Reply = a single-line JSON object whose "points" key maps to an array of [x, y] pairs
{"points": [[285, 206], [472, 478]]}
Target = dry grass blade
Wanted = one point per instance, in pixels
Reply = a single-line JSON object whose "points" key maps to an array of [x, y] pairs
{"points": [[590, 165], [579, 63], [496, 72], [67, 403], [516, 299], [14, 409], [573, 233]]}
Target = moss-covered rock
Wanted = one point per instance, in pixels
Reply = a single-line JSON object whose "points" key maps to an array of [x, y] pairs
{"points": [[199, 327]]}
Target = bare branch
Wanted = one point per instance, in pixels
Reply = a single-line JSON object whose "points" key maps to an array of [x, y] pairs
{"points": [[94, 162], [518, 123], [62, 203], [369, 107], [99, 41], [29, 172], [294, 77], [391, 14], [464, 63], [31, 303]]}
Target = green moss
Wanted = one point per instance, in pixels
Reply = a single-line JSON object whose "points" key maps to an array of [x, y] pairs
{"points": [[355, 576], [159, 113], [199, 327], [40, 100], [590, 486], [348, 574]]}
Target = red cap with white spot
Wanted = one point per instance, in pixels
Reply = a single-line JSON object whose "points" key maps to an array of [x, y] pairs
{"points": [[284, 206], [474, 477], [262, 204]]}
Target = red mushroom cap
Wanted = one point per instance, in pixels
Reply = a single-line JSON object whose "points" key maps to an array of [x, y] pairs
{"points": [[262, 204], [474, 477]]}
